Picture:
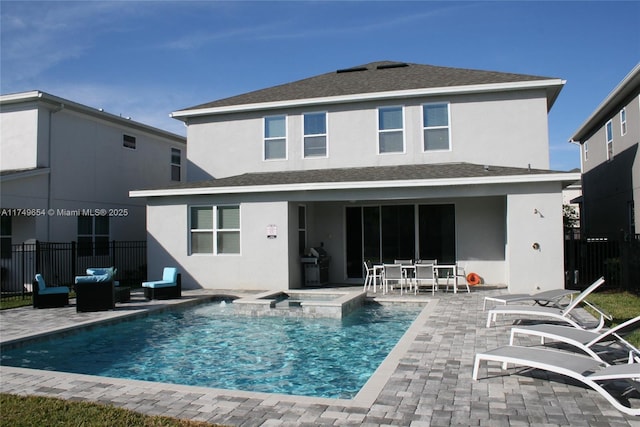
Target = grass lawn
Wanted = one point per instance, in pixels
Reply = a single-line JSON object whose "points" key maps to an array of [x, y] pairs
{"points": [[18, 411], [622, 306]]}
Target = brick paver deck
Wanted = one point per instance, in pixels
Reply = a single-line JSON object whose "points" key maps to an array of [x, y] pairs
{"points": [[426, 381]]}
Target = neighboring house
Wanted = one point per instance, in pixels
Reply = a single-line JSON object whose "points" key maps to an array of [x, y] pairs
{"points": [[610, 163], [66, 170], [381, 161], [571, 201]]}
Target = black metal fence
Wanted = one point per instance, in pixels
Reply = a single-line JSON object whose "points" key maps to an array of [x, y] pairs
{"points": [[618, 260], [59, 263]]}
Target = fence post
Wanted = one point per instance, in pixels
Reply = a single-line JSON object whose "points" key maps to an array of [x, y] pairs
{"points": [[74, 254], [113, 252]]}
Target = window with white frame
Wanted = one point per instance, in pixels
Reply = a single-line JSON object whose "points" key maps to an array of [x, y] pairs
{"points": [[609, 136], [176, 164], [275, 137], [315, 135], [435, 122], [390, 130], [215, 229], [623, 121], [585, 149], [93, 235]]}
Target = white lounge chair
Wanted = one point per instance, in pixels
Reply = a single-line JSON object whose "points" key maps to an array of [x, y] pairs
{"points": [[595, 344], [553, 297], [587, 370], [566, 314]]}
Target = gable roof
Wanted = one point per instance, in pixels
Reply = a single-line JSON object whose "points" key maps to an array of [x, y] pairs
{"points": [[377, 79], [621, 95], [364, 177], [57, 103]]}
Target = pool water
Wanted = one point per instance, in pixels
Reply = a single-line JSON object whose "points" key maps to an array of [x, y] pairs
{"points": [[210, 346]]}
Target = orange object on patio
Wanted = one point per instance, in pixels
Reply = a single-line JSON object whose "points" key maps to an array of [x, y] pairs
{"points": [[473, 279]]}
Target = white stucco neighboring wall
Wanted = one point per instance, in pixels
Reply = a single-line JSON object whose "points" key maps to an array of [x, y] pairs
{"points": [[82, 166], [19, 129]]}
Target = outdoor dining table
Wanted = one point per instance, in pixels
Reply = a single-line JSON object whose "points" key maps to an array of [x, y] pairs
{"points": [[379, 268]]}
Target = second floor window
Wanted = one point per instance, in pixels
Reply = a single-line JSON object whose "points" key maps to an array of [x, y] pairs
{"points": [[609, 132], [176, 164], [390, 130], [586, 150], [129, 141], [275, 137], [315, 135], [623, 121], [435, 122]]}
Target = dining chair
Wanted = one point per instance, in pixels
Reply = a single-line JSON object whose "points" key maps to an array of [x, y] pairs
{"points": [[369, 276], [392, 273], [457, 273], [405, 271], [425, 274]]}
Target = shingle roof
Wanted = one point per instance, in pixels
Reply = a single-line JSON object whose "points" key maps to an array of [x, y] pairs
{"points": [[381, 76], [366, 174]]}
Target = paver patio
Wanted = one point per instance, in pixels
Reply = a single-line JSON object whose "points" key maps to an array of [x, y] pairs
{"points": [[426, 381]]}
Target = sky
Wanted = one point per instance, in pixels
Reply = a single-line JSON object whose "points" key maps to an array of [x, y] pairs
{"points": [[146, 59]]}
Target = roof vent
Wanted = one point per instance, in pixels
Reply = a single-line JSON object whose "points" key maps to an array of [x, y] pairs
{"points": [[351, 70], [393, 65]]}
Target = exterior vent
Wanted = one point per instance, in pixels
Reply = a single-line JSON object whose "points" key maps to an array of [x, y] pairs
{"points": [[394, 65], [351, 70]]}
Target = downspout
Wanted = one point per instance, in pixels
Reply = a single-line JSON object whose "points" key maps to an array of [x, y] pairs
{"points": [[49, 157]]}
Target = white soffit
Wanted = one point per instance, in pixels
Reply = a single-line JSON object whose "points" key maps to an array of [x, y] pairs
{"points": [[277, 188]]}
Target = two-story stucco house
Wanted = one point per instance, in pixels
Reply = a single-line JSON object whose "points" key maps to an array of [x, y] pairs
{"points": [[377, 162], [609, 141], [67, 169]]}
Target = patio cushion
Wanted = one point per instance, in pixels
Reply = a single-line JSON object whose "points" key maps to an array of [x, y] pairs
{"points": [[41, 284], [169, 274], [159, 284], [98, 271], [43, 289], [54, 290], [93, 279]]}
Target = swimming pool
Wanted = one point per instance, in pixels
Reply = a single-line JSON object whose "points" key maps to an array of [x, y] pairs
{"points": [[211, 346]]}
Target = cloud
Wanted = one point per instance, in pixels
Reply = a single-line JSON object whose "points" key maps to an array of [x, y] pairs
{"points": [[36, 36], [150, 105]]}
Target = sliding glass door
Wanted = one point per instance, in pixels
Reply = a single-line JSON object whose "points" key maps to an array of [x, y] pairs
{"points": [[381, 234]]}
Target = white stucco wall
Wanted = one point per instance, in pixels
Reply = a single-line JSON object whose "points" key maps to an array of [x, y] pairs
{"points": [[505, 129], [535, 218], [496, 227], [262, 264]]}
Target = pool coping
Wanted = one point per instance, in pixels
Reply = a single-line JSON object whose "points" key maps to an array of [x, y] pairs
{"points": [[365, 397]]}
